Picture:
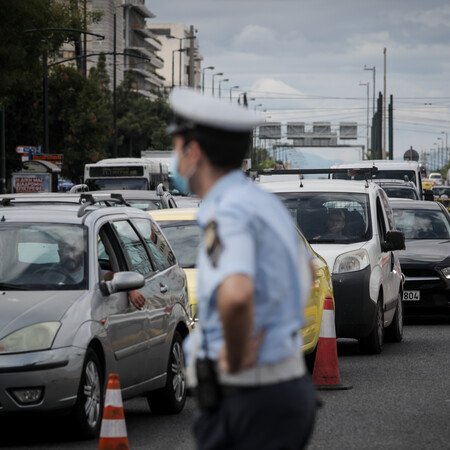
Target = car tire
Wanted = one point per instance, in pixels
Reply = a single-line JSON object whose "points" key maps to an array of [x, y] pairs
{"points": [[172, 397], [373, 343], [86, 416], [394, 332]]}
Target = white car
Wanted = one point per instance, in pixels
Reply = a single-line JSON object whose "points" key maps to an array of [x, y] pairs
{"points": [[361, 252], [387, 170], [437, 178]]}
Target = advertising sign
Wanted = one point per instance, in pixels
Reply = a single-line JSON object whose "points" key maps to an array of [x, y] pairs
{"points": [[31, 182]]}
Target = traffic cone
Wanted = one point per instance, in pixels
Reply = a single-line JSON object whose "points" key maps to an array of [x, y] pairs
{"points": [[326, 371], [113, 432]]}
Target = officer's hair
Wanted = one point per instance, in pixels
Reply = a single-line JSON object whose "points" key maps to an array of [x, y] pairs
{"points": [[224, 149]]}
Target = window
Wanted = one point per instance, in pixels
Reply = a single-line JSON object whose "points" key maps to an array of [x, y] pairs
{"points": [[159, 248], [133, 247], [330, 216]]}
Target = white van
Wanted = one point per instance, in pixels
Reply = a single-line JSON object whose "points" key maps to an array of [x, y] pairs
{"points": [[363, 255], [387, 169]]}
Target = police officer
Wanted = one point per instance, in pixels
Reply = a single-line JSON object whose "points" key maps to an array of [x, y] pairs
{"points": [[253, 278]]}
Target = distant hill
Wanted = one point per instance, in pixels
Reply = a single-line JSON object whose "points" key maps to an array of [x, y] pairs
{"points": [[302, 160]]}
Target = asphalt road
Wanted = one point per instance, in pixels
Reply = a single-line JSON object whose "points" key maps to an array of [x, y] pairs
{"points": [[399, 400]]}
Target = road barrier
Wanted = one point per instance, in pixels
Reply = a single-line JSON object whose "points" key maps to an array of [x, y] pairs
{"points": [[113, 432], [326, 369]]}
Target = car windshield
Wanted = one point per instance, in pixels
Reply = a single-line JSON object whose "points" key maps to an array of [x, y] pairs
{"points": [[330, 217], [185, 237], [102, 184], [43, 256], [405, 175], [146, 205], [422, 224], [397, 192]]}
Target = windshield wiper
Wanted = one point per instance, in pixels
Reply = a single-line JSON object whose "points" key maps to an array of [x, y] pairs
{"points": [[12, 287]]}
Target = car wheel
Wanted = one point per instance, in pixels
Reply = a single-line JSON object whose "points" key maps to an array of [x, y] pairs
{"points": [[87, 413], [373, 343], [172, 397], [394, 332]]}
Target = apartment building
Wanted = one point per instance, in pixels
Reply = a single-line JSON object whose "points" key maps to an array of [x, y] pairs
{"points": [[182, 60], [128, 44]]}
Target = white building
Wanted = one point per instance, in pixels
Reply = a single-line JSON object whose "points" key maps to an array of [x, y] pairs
{"points": [[182, 61]]}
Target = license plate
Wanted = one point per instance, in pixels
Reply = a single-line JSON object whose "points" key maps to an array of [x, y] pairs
{"points": [[411, 296]]}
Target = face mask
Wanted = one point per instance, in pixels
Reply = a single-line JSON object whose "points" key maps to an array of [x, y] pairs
{"points": [[179, 182]]}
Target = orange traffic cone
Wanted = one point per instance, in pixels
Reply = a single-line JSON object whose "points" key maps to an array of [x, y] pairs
{"points": [[326, 371], [113, 433]]}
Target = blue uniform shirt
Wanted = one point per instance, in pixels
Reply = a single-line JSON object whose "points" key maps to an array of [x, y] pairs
{"points": [[257, 238]]}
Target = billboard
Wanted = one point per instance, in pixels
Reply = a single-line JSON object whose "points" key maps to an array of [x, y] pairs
{"points": [[348, 130], [295, 130], [31, 182], [270, 130]]}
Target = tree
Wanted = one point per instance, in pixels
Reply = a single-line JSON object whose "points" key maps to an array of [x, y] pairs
{"points": [[80, 120], [141, 122], [24, 39]]}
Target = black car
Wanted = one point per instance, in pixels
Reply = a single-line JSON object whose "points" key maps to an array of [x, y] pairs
{"points": [[426, 260]]}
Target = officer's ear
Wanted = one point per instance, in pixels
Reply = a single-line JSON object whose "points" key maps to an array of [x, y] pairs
{"points": [[194, 149]]}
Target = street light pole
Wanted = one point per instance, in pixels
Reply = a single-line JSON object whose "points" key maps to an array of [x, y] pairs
{"points": [[215, 75], [220, 82], [373, 100], [203, 77], [367, 123], [180, 50], [231, 89]]}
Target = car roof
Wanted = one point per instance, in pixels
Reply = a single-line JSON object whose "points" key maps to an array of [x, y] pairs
{"points": [[55, 211], [403, 203], [316, 185], [398, 183], [379, 162], [174, 214]]}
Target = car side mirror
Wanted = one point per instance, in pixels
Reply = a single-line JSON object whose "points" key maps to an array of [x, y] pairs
{"points": [[395, 240], [428, 195], [122, 282], [160, 189]]}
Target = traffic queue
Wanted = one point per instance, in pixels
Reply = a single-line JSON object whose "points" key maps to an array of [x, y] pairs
{"points": [[377, 256]]}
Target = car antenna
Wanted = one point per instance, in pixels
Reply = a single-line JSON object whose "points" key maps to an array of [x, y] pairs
{"points": [[301, 180]]}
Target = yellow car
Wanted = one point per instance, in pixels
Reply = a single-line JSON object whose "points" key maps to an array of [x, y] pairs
{"points": [[180, 227], [427, 183]]}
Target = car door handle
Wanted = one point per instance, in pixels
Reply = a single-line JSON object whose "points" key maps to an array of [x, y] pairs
{"points": [[163, 288]]}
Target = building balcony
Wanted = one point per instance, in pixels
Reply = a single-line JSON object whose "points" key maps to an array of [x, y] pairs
{"points": [[136, 5]]}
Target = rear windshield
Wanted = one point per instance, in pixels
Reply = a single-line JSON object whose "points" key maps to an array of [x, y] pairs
{"points": [[405, 175], [330, 217], [184, 237], [396, 192]]}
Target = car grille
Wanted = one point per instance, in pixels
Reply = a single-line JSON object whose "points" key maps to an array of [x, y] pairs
{"points": [[424, 274]]}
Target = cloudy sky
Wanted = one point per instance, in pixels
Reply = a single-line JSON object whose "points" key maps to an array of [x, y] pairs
{"points": [[303, 60]]}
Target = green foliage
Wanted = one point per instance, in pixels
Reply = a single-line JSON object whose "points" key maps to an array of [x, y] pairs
{"points": [[141, 122], [79, 121], [24, 39]]}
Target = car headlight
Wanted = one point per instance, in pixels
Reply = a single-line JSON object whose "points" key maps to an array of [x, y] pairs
{"points": [[446, 272], [351, 261], [36, 337]]}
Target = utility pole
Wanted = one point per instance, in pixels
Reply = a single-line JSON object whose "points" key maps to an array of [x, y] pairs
{"points": [[367, 124], [2, 151], [383, 148], [191, 58]]}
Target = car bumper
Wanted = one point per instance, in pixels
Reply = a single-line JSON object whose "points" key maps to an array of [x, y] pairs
{"points": [[57, 372], [434, 293], [355, 311]]}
